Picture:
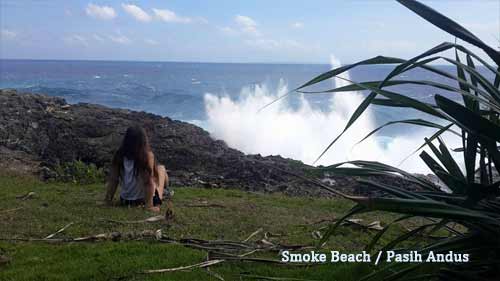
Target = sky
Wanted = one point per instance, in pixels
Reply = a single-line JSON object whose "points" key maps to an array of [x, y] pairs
{"points": [[278, 31]]}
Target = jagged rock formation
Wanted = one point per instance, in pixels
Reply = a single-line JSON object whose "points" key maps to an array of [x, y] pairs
{"points": [[38, 132]]}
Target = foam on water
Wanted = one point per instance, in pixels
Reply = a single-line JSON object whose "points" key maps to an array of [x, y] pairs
{"points": [[303, 132]]}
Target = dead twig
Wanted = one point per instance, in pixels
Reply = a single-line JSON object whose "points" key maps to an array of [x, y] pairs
{"points": [[148, 220], [59, 231], [320, 222], [253, 234], [374, 225], [220, 246], [198, 265], [26, 196], [268, 235], [205, 205], [214, 274], [10, 210], [251, 276]]}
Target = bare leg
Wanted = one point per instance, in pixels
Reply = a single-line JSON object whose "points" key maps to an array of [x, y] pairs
{"points": [[162, 182], [162, 179]]}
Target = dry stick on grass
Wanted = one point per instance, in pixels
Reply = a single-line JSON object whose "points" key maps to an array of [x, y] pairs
{"points": [[320, 222], [150, 220], [214, 274], [223, 257], [212, 205], [253, 234], [206, 245], [198, 265], [268, 235], [114, 236], [260, 277], [205, 206], [59, 231], [26, 196], [10, 210]]}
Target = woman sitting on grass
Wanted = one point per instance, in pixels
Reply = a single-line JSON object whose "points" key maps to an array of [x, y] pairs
{"points": [[134, 166]]}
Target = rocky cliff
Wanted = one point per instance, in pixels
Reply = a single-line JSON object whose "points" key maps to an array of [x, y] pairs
{"points": [[38, 132]]}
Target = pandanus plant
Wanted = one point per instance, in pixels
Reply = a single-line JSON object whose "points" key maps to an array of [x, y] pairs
{"points": [[470, 210]]}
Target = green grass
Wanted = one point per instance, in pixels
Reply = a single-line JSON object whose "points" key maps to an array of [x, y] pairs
{"points": [[57, 204]]}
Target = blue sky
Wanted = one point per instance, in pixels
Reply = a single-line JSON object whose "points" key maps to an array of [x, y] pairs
{"points": [[230, 31]]}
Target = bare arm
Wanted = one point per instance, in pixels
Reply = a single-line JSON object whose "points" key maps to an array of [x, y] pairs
{"points": [[149, 184], [112, 184]]}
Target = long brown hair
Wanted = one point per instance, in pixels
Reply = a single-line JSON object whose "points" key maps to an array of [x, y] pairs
{"points": [[135, 146]]}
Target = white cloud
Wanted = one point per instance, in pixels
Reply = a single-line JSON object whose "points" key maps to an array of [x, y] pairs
{"points": [[282, 44], [201, 20], [390, 46], [76, 39], [247, 25], [298, 24], [151, 42], [228, 30], [7, 34], [100, 12], [169, 16], [120, 39], [136, 12], [97, 38], [264, 44]]}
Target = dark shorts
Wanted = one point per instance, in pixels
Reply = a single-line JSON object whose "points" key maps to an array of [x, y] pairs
{"points": [[138, 202]]}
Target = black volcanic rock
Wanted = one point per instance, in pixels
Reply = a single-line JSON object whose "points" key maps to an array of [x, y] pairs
{"points": [[38, 132]]}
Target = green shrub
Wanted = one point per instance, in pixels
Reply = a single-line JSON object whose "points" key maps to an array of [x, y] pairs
{"points": [[79, 172], [469, 215]]}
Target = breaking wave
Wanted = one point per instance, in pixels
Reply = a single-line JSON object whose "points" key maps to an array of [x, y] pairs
{"points": [[302, 132]]}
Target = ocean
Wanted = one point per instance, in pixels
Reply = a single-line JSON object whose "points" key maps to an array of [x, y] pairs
{"points": [[226, 98]]}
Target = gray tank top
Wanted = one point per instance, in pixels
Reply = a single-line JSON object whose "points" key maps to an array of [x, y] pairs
{"points": [[131, 184]]}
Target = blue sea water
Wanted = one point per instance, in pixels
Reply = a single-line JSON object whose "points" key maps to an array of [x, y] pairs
{"points": [[175, 89], [167, 88]]}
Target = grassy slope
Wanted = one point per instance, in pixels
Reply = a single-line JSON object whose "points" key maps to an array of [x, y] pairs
{"points": [[58, 204]]}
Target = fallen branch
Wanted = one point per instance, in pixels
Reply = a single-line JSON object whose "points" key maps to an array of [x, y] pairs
{"points": [[375, 225], [268, 235], [320, 222], [253, 234], [228, 257], [148, 220], [10, 210], [238, 258], [214, 274], [114, 236], [218, 257], [59, 231], [26, 196], [198, 265], [251, 276], [205, 205]]}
